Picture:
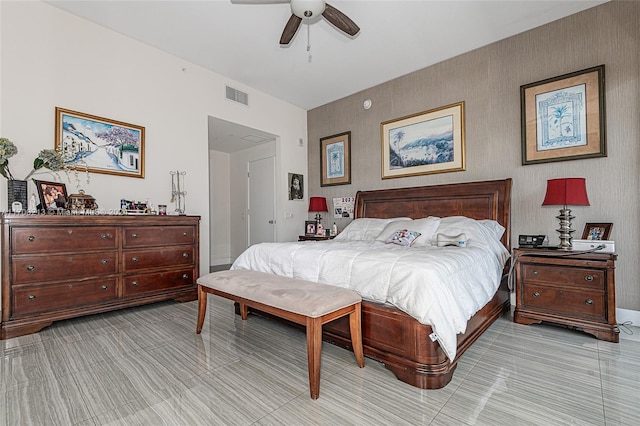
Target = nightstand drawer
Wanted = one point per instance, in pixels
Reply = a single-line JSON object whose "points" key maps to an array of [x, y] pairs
{"points": [[579, 303], [561, 275]]}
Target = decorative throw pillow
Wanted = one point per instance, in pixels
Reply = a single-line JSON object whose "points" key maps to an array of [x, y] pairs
{"points": [[403, 237], [364, 229]]}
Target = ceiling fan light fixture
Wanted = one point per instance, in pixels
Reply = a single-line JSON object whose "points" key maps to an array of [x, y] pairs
{"points": [[307, 8]]}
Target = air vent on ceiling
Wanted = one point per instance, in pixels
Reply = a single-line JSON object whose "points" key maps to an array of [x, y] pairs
{"points": [[237, 96]]}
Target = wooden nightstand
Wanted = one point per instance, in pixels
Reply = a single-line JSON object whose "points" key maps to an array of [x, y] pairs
{"points": [[577, 290], [313, 238]]}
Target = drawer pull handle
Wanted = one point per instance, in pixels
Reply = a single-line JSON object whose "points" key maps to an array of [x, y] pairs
{"points": [[105, 261], [31, 297], [588, 302], [31, 238], [104, 287], [536, 294], [135, 259], [134, 235], [184, 234], [31, 268], [535, 272], [134, 283], [185, 276], [185, 254], [588, 278], [103, 236]]}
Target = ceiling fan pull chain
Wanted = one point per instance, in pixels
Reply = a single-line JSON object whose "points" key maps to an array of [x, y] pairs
{"points": [[308, 37]]}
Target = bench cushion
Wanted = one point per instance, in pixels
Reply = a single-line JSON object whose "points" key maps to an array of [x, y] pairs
{"points": [[289, 294]]}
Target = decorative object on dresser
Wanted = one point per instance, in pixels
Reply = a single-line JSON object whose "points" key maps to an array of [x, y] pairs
{"points": [[335, 160], [423, 143], [56, 267], [53, 195], [178, 193], [573, 289], [563, 118], [115, 147], [566, 192]]}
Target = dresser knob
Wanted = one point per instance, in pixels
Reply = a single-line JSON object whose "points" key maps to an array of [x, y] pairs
{"points": [[134, 283], [135, 259], [31, 297], [184, 234], [103, 236], [588, 302], [185, 276], [536, 294], [31, 238], [104, 287], [588, 278], [134, 235], [535, 272], [30, 268], [104, 261], [185, 254]]}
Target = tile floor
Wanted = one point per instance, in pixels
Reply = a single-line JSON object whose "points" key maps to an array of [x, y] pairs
{"points": [[146, 366]]}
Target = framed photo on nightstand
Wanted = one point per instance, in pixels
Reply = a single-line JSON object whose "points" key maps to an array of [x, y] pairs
{"points": [[310, 227], [596, 231]]}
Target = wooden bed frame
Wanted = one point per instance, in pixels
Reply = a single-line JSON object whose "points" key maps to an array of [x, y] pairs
{"points": [[394, 338]]}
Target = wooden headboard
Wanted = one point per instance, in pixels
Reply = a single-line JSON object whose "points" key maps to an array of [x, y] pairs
{"points": [[477, 200]]}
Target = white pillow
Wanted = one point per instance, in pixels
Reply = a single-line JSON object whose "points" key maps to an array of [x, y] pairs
{"points": [[494, 227], [427, 227], [394, 226], [365, 229], [477, 233]]}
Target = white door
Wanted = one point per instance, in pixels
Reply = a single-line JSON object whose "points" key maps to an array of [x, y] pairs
{"points": [[262, 201]]}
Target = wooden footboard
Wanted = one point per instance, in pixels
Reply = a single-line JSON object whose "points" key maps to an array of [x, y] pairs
{"points": [[403, 345]]}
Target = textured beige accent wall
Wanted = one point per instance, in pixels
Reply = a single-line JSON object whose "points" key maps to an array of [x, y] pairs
{"points": [[488, 80]]}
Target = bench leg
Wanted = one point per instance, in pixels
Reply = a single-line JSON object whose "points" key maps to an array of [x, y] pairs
{"points": [[244, 311], [356, 334], [314, 354], [202, 308]]}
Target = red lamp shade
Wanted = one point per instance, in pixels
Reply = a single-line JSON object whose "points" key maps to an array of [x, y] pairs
{"points": [[318, 204], [566, 192]]}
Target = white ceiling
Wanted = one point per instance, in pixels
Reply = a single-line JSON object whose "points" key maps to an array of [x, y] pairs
{"points": [[240, 39]]}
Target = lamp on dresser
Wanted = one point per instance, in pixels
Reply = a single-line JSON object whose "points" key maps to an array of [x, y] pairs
{"points": [[566, 192]]}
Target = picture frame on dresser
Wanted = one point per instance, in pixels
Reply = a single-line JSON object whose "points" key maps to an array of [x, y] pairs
{"points": [[563, 117], [52, 195], [597, 231]]}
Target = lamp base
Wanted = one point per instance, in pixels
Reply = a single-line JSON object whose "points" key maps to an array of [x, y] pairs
{"points": [[565, 230]]}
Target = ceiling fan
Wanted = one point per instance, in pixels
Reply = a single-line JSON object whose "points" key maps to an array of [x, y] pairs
{"points": [[309, 9]]}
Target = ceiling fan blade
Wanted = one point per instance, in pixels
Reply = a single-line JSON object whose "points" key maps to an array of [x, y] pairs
{"points": [[290, 29], [340, 20]]}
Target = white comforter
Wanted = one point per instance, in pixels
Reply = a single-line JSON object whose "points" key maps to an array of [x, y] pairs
{"points": [[439, 286]]}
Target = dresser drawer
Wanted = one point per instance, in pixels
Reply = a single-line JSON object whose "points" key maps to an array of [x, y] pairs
{"points": [[158, 258], [37, 269], [34, 299], [579, 303], [44, 240], [158, 281], [562, 275], [149, 236]]}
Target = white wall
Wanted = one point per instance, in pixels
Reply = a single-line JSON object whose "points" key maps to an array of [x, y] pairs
{"points": [[219, 207], [51, 58]]}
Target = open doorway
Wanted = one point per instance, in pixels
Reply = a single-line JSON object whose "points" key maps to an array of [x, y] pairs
{"points": [[232, 148]]}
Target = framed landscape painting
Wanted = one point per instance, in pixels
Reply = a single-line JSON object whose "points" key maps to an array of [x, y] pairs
{"points": [[100, 145], [563, 118], [424, 143]]}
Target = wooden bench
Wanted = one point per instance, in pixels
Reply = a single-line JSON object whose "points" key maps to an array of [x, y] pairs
{"points": [[299, 301]]}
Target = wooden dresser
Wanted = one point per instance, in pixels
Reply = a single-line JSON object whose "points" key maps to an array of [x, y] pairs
{"points": [[577, 290], [58, 267]]}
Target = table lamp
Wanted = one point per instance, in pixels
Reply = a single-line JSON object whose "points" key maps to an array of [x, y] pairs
{"points": [[566, 192], [317, 205]]}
